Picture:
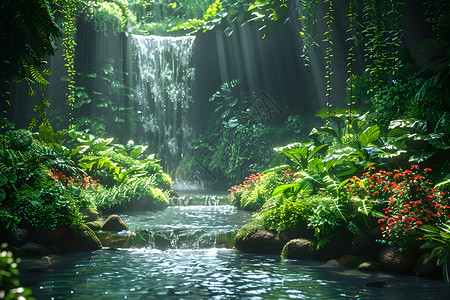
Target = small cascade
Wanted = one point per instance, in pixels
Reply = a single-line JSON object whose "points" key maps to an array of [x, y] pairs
{"points": [[199, 200], [163, 92]]}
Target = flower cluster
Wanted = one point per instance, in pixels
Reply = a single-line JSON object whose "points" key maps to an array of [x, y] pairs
{"points": [[289, 175], [247, 184], [410, 201], [84, 182]]}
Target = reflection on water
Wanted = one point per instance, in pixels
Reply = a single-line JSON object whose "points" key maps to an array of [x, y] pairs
{"points": [[217, 274], [215, 218], [211, 273]]}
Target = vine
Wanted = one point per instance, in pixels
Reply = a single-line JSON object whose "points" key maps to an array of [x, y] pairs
{"points": [[67, 9], [328, 52], [352, 31], [307, 31]]}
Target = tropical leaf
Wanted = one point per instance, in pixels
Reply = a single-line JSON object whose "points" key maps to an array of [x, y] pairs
{"points": [[369, 135]]}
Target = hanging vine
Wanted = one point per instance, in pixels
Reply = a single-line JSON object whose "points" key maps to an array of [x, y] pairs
{"points": [[328, 52], [308, 20], [352, 31], [67, 9]]}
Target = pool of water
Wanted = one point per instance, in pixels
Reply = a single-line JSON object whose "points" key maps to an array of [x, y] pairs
{"points": [[210, 272], [217, 274]]}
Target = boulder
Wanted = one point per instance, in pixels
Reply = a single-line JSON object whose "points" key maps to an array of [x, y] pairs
{"points": [[66, 239], [115, 223], [352, 261], [83, 239], [426, 267], [369, 266], [40, 265], [89, 215], [262, 242], [95, 225], [113, 240], [299, 249], [19, 237], [34, 249], [393, 260]]}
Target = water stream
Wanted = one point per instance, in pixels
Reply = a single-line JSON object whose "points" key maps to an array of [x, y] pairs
{"points": [[209, 270]]}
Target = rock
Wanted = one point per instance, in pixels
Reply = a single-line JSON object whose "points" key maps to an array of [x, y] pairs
{"points": [[425, 267], [115, 240], [261, 241], [141, 238], [83, 239], [352, 261], [161, 242], [34, 249], [42, 264], [225, 240], [391, 259], [369, 266], [115, 223], [19, 237], [332, 263], [90, 216], [95, 225], [65, 239], [299, 249]]}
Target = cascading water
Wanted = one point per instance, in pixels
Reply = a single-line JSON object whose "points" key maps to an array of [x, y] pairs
{"points": [[163, 92]]}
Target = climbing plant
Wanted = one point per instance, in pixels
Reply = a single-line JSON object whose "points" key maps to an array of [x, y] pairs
{"points": [[29, 34], [328, 52]]}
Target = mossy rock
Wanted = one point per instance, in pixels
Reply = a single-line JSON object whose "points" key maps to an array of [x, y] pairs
{"points": [[352, 261], [299, 249], [141, 238], [34, 249], [95, 225], [115, 223], [261, 241], [82, 240], [112, 240]]}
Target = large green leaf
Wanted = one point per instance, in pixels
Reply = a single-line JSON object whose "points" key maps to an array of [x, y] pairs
{"points": [[303, 187], [136, 152], [315, 150], [46, 132], [369, 135]]}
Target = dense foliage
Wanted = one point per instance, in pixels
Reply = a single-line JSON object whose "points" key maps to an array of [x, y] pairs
{"points": [[324, 191], [44, 184]]}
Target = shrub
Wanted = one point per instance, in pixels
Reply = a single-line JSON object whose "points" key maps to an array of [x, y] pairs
{"points": [[280, 213], [140, 189], [255, 190], [408, 201]]}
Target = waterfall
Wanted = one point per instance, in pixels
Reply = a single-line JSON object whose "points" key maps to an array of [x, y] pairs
{"points": [[163, 93]]}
